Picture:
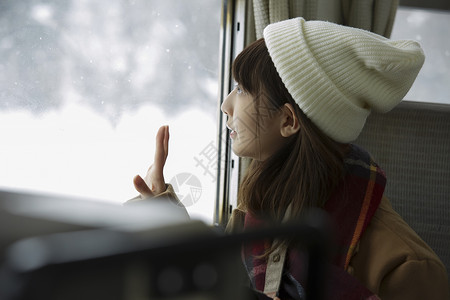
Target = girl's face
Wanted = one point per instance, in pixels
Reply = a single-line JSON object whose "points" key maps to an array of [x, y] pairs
{"points": [[255, 130]]}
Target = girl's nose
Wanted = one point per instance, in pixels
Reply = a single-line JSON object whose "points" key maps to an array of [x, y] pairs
{"points": [[226, 105]]}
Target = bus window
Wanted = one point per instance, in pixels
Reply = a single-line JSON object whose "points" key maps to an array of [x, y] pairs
{"points": [[429, 27], [84, 86]]}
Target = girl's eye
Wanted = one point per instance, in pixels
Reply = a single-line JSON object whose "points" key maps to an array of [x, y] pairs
{"points": [[238, 89]]}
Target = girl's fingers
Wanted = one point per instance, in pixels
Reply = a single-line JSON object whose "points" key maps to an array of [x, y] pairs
{"points": [[166, 143], [161, 151], [141, 186], [154, 182]]}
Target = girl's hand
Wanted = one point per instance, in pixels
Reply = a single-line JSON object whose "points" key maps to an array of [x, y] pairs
{"points": [[154, 183]]}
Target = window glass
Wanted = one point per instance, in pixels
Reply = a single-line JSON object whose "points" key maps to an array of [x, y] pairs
{"points": [[430, 28], [84, 86]]}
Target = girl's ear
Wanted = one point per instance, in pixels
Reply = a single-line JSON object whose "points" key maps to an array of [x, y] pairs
{"points": [[289, 121]]}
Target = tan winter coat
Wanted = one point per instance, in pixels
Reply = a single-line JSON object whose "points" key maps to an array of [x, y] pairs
{"points": [[391, 259]]}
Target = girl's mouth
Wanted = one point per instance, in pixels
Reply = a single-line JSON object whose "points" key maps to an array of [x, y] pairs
{"points": [[233, 132]]}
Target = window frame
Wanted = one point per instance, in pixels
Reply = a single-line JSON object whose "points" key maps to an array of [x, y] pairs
{"points": [[426, 4], [233, 20]]}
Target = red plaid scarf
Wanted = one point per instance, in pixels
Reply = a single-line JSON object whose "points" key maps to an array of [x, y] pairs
{"points": [[350, 208]]}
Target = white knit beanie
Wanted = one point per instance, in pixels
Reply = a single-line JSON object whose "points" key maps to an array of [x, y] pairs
{"points": [[338, 74]]}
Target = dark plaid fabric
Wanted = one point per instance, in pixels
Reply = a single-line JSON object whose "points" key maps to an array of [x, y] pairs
{"points": [[350, 208]]}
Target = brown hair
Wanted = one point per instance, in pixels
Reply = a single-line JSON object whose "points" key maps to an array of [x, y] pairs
{"points": [[306, 170]]}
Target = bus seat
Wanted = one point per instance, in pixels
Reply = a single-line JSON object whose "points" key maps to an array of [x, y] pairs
{"points": [[412, 144]]}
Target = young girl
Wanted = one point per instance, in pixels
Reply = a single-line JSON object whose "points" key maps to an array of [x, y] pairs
{"points": [[303, 94]]}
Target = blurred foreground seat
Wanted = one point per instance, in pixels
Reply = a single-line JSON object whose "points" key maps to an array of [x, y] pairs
{"points": [[53, 248]]}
